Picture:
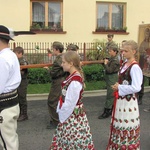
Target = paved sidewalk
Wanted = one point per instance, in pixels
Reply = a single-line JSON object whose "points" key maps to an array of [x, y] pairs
{"points": [[33, 134]]}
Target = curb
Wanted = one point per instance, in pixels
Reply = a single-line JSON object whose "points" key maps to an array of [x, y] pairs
{"points": [[44, 96]]}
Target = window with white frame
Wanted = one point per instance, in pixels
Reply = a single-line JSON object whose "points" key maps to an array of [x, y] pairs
{"points": [[111, 15], [46, 14]]}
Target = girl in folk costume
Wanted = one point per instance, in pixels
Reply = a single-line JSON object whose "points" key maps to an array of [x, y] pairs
{"points": [[125, 122], [73, 131]]}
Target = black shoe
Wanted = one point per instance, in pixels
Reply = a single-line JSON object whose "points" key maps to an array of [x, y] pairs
{"points": [[139, 102], [22, 117], [106, 113], [139, 98], [51, 125]]}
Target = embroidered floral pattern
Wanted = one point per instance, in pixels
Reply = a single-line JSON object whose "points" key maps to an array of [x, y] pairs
{"points": [[125, 133], [73, 134]]}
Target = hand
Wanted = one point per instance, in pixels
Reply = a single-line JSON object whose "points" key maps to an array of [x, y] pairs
{"points": [[115, 86], [46, 67], [106, 61]]}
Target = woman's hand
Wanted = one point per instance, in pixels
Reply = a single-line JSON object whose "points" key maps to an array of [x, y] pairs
{"points": [[115, 86]]}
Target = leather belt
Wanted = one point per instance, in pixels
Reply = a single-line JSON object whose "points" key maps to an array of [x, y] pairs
{"points": [[8, 99]]}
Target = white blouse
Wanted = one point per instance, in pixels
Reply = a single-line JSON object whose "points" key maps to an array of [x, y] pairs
{"points": [[71, 99], [136, 81]]}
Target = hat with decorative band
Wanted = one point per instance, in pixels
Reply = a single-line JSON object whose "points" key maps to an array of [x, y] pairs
{"points": [[4, 33]]}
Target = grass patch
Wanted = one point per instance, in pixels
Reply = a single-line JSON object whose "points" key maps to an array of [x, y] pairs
{"points": [[44, 88], [92, 85], [38, 88], [95, 85]]}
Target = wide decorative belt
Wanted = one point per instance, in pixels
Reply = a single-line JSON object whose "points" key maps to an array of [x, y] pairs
{"points": [[129, 96], [8, 99]]}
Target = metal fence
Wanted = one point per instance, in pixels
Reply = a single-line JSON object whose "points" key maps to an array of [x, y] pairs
{"points": [[37, 52]]}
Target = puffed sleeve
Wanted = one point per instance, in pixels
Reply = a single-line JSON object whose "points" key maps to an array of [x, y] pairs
{"points": [[136, 78], [71, 99]]}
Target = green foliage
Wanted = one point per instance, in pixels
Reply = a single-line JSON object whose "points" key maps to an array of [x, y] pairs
{"points": [[97, 50], [93, 72], [35, 26], [146, 81], [38, 76], [40, 81]]}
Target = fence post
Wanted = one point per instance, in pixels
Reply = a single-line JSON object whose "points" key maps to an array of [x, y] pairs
{"points": [[14, 45]]}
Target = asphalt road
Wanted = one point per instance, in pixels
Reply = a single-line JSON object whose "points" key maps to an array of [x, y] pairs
{"points": [[33, 134]]}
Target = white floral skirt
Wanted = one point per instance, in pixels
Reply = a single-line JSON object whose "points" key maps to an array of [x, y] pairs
{"points": [[125, 127], [73, 134]]}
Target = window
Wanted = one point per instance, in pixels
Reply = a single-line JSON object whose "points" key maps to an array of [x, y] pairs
{"points": [[111, 16], [46, 14]]}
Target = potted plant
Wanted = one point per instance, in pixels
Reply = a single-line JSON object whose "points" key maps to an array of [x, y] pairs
{"points": [[105, 29]]}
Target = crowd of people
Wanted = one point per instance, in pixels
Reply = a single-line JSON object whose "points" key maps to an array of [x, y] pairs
{"points": [[67, 115]]}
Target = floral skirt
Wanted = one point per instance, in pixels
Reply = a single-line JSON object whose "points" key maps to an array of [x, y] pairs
{"points": [[73, 134], [125, 127]]}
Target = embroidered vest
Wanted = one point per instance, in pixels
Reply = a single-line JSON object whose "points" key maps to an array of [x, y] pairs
{"points": [[125, 78], [65, 84]]}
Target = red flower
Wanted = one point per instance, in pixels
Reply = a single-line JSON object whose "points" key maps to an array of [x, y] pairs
{"points": [[123, 147], [135, 146], [138, 143], [90, 146], [54, 139], [130, 147], [116, 146]]}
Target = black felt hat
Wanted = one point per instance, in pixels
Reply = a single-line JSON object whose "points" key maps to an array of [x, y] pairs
{"points": [[4, 33]]}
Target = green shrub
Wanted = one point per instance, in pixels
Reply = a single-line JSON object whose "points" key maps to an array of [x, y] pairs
{"points": [[38, 76], [93, 72]]}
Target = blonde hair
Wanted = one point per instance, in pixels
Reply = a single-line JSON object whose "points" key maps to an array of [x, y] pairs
{"points": [[134, 46], [72, 56]]}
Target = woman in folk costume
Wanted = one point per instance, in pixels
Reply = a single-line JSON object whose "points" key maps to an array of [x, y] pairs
{"points": [[73, 131], [125, 122]]}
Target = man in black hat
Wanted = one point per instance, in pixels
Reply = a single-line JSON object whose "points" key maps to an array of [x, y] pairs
{"points": [[9, 79]]}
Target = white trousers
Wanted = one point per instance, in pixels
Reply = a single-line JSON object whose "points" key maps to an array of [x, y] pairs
{"points": [[9, 137]]}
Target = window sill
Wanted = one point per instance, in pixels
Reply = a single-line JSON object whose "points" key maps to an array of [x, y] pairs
{"points": [[110, 31], [48, 31]]}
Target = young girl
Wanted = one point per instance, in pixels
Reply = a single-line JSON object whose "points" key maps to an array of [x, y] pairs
{"points": [[125, 123], [73, 131]]}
